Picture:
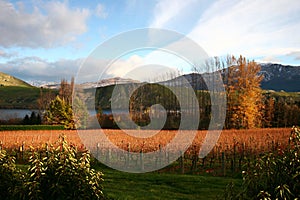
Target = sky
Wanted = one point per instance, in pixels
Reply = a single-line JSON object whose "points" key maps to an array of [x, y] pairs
{"points": [[45, 41]]}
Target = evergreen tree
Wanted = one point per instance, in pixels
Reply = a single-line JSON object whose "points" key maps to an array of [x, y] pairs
{"points": [[33, 118], [60, 112], [38, 119], [26, 120]]}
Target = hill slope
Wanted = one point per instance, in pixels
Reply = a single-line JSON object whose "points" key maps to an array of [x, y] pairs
{"points": [[8, 80], [17, 94]]}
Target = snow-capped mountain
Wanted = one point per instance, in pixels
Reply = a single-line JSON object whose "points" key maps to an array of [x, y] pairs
{"points": [[276, 77], [280, 77]]}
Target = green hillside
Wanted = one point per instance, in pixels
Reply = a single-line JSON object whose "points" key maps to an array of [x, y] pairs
{"points": [[7, 80], [16, 93], [19, 97]]}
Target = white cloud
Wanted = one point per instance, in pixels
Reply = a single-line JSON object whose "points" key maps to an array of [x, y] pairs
{"points": [[134, 66], [48, 25], [4, 54], [150, 65], [121, 67], [269, 59], [167, 10], [35, 68], [251, 28], [101, 11], [89, 70], [295, 55], [94, 69]]}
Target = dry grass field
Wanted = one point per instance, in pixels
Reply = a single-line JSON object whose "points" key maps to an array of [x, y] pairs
{"points": [[253, 140]]}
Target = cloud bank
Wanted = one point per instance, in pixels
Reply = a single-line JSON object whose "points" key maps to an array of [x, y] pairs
{"points": [[35, 68], [47, 25]]}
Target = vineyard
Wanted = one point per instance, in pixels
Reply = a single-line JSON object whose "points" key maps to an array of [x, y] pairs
{"points": [[232, 150]]}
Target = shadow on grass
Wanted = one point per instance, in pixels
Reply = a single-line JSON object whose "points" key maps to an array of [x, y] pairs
{"points": [[157, 185]]}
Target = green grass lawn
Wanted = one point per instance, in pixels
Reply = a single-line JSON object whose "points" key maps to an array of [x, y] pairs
{"points": [[156, 185], [122, 185]]}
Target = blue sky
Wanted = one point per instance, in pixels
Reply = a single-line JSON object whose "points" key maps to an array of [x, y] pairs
{"points": [[49, 40]]}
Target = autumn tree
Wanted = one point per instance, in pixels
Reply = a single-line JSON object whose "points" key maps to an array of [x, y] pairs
{"points": [[244, 95], [66, 90], [46, 96]]}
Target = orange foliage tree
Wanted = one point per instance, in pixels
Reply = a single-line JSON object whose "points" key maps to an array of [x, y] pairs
{"points": [[244, 95]]}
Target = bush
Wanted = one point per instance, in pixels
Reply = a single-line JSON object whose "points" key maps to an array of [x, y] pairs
{"points": [[275, 175], [59, 112], [10, 177], [55, 173]]}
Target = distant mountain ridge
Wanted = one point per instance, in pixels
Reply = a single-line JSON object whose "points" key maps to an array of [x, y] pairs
{"points": [[107, 82], [277, 77], [280, 77], [100, 83]]}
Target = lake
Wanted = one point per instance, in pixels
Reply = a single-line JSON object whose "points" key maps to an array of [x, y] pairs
{"points": [[6, 114]]}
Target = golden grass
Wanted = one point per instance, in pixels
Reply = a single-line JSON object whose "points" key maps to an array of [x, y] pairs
{"points": [[253, 140]]}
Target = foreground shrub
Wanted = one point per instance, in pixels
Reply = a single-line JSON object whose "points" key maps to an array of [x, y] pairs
{"points": [[274, 175], [61, 175], [11, 179], [54, 173]]}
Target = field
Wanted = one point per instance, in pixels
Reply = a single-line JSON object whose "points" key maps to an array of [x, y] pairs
{"points": [[258, 140], [232, 149], [189, 177]]}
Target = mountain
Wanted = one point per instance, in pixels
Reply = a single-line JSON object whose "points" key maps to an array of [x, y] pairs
{"points": [[8, 80], [280, 77], [277, 77], [194, 79], [89, 85], [107, 82]]}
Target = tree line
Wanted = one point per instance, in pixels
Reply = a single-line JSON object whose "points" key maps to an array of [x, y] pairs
{"points": [[248, 106]]}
